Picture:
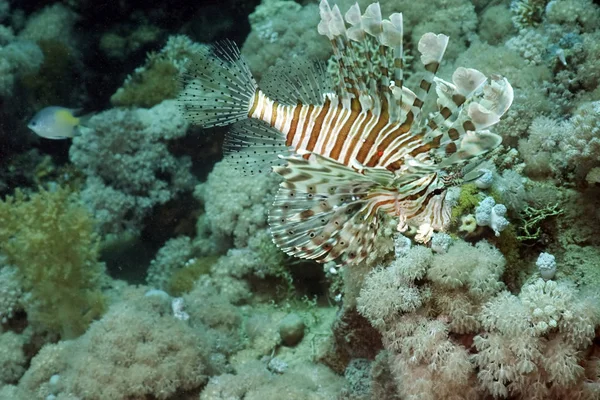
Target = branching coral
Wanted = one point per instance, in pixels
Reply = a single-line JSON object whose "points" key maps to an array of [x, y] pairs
{"points": [[430, 308], [137, 350], [283, 30], [50, 239], [128, 165], [236, 206], [11, 293], [157, 79], [534, 342], [12, 357], [577, 139]]}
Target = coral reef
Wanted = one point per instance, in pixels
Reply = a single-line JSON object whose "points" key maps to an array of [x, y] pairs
{"points": [[50, 239], [157, 79], [503, 305], [139, 349], [128, 166]]}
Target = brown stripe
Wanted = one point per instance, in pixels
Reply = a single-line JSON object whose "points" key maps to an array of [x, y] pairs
{"points": [[421, 149], [425, 85], [306, 214], [458, 99], [262, 110], [402, 129], [435, 143], [307, 119], [396, 165], [302, 176], [418, 102], [432, 67], [343, 134], [468, 126], [421, 192], [328, 135], [451, 148], [254, 104], [391, 136], [425, 202], [316, 131], [293, 126], [445, 112], [370, 141], [274, 113], [453, 133]]}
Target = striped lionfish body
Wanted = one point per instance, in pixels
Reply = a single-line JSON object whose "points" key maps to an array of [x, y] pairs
{"points": [[356, 153]]}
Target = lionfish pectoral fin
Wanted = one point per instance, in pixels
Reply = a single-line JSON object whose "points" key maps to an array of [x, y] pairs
{"points": [[471, 171], [472, 145], [468, 106], [218, 87], [324, 211], [253, 147]]}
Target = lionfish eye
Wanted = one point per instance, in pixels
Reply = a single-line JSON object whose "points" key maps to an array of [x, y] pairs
{"points": [[438, 191]]}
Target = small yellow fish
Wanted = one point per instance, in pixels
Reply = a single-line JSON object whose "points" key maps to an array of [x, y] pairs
{"points": [[55, 122]]}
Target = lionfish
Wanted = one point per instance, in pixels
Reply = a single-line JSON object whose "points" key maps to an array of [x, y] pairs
{"points": [[353, 153]]}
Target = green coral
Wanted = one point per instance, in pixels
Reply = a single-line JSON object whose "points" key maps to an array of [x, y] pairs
{"points": [[150, 86], [50, 239], [531, 220], [182, 280], [158, 78], [527, 13], [468, 199]]}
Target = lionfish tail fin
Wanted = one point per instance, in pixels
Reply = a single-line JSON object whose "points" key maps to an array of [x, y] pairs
{"points": [[218, 87], [325, 211], [253, 146]]}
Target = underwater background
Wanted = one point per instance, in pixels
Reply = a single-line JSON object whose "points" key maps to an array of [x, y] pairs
{"points": [[137, 263]]}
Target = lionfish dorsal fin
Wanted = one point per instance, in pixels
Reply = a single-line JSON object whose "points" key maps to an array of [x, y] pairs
{"points": [[362, 83], [325, 211], [301, 81]]}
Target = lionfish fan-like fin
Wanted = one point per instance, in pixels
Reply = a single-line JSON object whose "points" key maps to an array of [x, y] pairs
{"points": [[466, 136], [218, 89], [253, 146], [431, 47], [301, 81], [451, 99], [369, 54], [472, 145], [324, 211]]}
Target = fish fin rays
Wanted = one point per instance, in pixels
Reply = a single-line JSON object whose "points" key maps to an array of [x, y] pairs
{"points": [[324, 211], [302, 81], [253, 147], [218, 87], [467, 107]]}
